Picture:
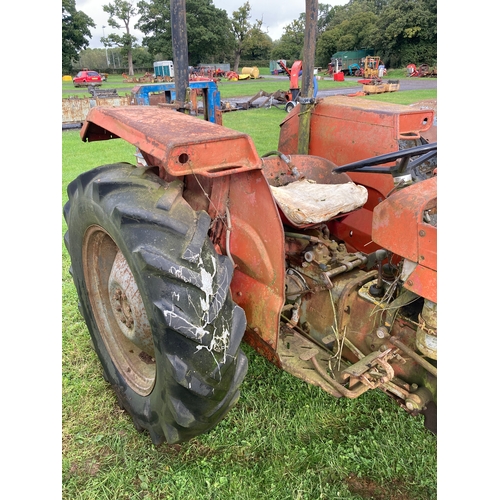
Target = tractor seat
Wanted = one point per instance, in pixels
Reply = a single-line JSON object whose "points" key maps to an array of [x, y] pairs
{"points": [[305, 203]]}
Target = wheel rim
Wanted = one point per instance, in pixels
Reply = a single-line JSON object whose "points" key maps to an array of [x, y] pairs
{"points": [[119, 310]]}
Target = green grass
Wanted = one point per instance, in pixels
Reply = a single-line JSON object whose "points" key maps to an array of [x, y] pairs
{"points": [[283, 440], [406, 97], [262, 124], [251, 87], [227, 89]]}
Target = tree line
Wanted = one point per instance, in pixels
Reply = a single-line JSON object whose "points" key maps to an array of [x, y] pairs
{"points": [[400, 31]]}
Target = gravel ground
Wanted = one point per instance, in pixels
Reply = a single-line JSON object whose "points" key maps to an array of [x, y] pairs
{"points": [[405, 84]]}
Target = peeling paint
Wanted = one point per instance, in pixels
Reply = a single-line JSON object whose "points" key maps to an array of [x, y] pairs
{"points": [[75, 110]]}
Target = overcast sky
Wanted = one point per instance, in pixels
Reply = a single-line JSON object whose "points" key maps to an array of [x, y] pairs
{"points": [[275, 15]]}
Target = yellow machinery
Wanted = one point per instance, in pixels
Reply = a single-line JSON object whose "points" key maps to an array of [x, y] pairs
{"points": [[370, 66]]}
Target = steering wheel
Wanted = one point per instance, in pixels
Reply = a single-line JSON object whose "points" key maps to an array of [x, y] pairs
{"points": [[410, 160]]}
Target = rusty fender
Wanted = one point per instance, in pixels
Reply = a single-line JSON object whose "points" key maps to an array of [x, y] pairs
{"points": [[222, 174]]}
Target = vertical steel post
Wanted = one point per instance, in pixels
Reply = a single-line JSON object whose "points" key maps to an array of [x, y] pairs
{"points": [[306, 100], [180, 49]]}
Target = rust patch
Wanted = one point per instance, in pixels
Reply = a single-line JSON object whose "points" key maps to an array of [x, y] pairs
{"points": [[75, 110], [178, 143], [146, 358]]}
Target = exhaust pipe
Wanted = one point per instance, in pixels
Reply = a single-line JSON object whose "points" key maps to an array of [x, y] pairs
{"points": [[180, 49], [307, 100]]}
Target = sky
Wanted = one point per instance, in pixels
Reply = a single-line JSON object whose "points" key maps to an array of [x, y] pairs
{"points": [[275, 15]]}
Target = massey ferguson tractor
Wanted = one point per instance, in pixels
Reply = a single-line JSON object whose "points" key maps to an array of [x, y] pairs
{"points": [[321, 255]]}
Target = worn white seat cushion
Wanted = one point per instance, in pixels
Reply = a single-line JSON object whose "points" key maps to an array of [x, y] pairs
{"points": [[305, 202]]}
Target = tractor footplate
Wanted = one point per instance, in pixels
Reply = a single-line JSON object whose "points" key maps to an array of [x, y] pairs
{"points": [[304, 359], [360, 370], [295, 353]]}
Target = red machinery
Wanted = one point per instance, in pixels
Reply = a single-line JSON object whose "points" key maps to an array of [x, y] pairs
{"points": [[293, 93], [346, 129], [175, 263], [422, 71]]}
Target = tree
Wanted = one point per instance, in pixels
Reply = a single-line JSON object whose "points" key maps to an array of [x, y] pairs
{"points": [[291, 43], [357, 32], [327, 46], [75, 33], [409, 32], [121, 10], [400, 31], [142, 58], [240, 26], [341, 13], [93, 58], [208, 30], [154, 22], [257, 44], [325, 15]]}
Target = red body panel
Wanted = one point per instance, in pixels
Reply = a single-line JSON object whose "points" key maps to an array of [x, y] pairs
{"points": [[399, 226], [294, 75], [180, 144], [348, 129], [257, 247], [227, 172]]}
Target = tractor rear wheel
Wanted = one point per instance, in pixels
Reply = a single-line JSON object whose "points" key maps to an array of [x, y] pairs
{"points": [[155, 297]]}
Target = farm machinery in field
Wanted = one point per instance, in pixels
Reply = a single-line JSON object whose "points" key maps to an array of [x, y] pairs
{"points": [[321, 254]]}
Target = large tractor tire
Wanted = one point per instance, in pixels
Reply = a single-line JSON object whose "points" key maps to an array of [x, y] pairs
{"points": [[155, 297]]}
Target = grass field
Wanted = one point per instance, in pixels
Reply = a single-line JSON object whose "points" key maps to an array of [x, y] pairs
{"points": [[283, 440], [227, 89]]}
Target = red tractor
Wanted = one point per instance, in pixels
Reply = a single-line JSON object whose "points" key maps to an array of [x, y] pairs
{"points": [[321, 255]]}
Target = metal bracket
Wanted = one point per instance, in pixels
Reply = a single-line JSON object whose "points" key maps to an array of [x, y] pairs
{"points": [[306, 100]]}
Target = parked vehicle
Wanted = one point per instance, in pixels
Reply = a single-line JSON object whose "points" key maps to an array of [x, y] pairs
{"points": [[322, 254], [87, 77], [370, 67], [347, 60]]}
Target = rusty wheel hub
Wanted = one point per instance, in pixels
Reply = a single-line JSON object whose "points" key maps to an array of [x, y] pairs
{"points": [[119, 310], [127, 306]]}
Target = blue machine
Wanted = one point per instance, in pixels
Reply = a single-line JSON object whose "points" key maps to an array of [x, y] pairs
{"points": [[211, 95]]}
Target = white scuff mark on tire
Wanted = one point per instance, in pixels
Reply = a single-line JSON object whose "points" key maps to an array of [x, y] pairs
{"points": [[190, 256], [207, 281], [177, 273], [185, 327], [219, 343]]}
